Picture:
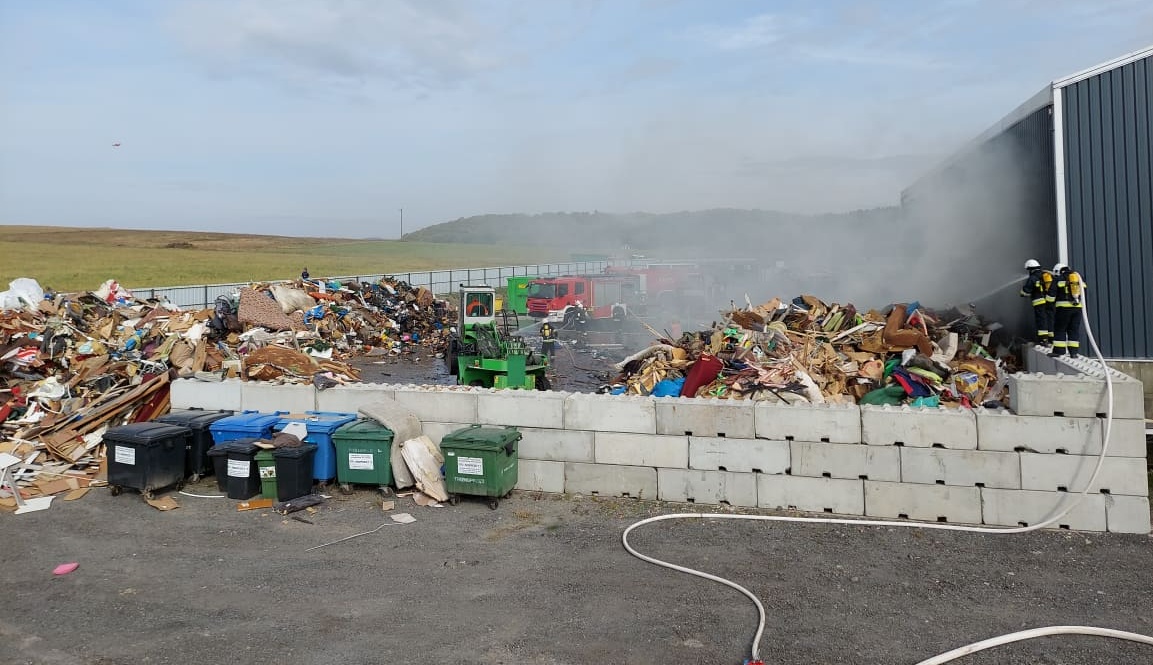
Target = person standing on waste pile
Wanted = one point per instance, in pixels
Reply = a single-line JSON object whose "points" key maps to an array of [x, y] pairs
{"points": [[548, 339], [304, 274], [1037, 288], [1067, 291]]}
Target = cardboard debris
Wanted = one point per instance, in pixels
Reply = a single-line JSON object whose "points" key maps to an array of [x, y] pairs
{"points": [[254, 504], [163, 504], [403, 518]]}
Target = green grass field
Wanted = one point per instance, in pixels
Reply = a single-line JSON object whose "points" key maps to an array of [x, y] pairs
{"points": [[71, 259]]}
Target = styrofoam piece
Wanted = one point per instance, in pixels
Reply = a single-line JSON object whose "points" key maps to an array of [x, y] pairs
{"points": [[610, 413], [641, 449], [1076, 396], [1027, 508], [845, 460], [709, 487], [818, 495], [437, 431], [264, 396], [558, 445], [1050, 473], [829, 423], [521, 408], [981, 468], [638, 482], [929, 503], [743, 455], [445, 404], [1127, 514], [705, 417], [955, 429], [540, 476], [210, 396]]}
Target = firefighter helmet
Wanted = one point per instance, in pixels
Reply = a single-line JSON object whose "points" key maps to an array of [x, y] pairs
{"points": [[1059, 267], [1032, 263]]}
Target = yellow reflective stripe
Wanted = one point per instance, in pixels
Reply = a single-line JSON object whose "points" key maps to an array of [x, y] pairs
{"points": [[1039, 301]]}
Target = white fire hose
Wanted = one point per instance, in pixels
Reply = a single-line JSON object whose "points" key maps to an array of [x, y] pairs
{"points": [[955, 653]]}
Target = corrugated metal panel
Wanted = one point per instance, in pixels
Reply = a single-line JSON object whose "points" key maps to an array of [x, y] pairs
{"points": [[1108, 124]]}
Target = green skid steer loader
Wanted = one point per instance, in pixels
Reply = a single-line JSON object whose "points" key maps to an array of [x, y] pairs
{"points": [[482, 354]]}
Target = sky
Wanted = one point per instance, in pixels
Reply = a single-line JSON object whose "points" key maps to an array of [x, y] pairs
{"points": [[326, 117]]}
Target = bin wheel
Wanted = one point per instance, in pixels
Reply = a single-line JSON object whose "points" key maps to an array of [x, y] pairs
{"points": [[194, 478], [346, 488], [386, 491], [115, 490], [454, 500], [179, 485], [148, 495], [493, 503]]}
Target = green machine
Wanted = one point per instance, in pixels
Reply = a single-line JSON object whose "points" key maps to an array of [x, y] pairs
{"points": [[482, 354], [516, 298]]}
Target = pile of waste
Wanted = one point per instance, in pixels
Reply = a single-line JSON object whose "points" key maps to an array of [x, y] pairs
{"points": [[74, 364], [808, 351]]}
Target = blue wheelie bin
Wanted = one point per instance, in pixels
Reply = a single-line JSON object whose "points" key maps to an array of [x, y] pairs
{"points": [[321, 425], [244, 425]]}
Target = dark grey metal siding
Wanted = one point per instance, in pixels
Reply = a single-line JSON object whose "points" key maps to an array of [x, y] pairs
{"points": [[1108, 126], [995, 204]]}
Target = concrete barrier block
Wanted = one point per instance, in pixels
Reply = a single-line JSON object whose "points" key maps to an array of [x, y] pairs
{"points": [[1037, 360], [1050, 473], [930, 503], [641, 450], [705, 417], [521, 408], [1027, 508], [1005, 431], [444, 404], [437, 431], [827, 495], [558, 445], [1076, 396], [743, 455], [610, 413], [1089, 367], [981, 468], [193, 394], [1127, 514], [955, 429], [351, 397], [828, 423], [637, 482], [540, 476], [261, 396], [712, 487], [845, 460]]}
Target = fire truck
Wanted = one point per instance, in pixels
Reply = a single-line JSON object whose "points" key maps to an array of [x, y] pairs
{"points": [[615, 294]]}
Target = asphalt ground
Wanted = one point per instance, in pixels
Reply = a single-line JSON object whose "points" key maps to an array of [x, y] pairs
{"points": [[541, 580]]}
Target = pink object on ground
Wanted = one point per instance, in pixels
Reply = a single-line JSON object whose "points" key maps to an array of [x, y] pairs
{"points": [[65, 568]]}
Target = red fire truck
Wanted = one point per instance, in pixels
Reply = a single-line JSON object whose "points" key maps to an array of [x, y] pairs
{"points": [[618, 292]]}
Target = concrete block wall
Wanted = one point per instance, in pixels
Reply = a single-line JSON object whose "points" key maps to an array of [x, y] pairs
{"points": [[958, 466]]}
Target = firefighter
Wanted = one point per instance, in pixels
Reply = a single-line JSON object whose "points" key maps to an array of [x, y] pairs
{"points": [[547, 339], [1067, 290], [1038, 289]]}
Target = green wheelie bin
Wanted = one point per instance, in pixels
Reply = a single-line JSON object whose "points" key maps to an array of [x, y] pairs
{"points": [[480, 461], [363, 455]]}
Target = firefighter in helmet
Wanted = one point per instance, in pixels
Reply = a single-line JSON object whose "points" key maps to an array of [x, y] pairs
{"points": [[1037, 288], [547, 339], [1068, 289]]}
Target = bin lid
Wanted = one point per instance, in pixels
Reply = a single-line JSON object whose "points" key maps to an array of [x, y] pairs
{"points": [[476, 437], [241, 446], [318, 422], [295, 451], [197, 419], [254, 421], [363, 429], [146, 433]]}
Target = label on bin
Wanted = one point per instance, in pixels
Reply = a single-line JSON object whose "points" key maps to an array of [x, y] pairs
{"points": [[361, 461], [238, 468], [473, 466], [125, 455], [267, 472]]}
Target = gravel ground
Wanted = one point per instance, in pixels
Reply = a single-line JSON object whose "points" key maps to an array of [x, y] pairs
{"points": [[541, 580]]}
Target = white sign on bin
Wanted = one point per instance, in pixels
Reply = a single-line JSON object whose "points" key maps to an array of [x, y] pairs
{"points": [[470, 466], [125, 455], [239, 468], [361, 461]]}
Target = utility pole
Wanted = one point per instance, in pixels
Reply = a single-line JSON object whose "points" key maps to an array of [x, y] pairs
{"points": [[402, 223]]}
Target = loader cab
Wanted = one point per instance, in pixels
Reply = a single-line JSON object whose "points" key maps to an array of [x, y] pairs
{"points": [[477, 305]]}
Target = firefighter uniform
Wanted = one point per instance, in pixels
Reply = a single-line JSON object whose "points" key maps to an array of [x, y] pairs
{"points": [[548, 339], [1038, 290], [1067, 288]]}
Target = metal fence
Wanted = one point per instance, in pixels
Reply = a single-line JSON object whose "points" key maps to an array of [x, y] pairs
{"points": [[440, 282]]}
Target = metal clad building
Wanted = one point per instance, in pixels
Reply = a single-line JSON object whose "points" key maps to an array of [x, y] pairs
{"points": [[1072, 166]]}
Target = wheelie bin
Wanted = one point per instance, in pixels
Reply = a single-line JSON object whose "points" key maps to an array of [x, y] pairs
{"points": [[320, 426], [196, 462], [266, 466], [236, 472], [363, 455], [245, 425], [480, 461], [146, 457], [293, 468]]}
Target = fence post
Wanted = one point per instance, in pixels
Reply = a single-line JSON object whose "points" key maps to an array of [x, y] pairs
{"points": [[205, 295]]}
